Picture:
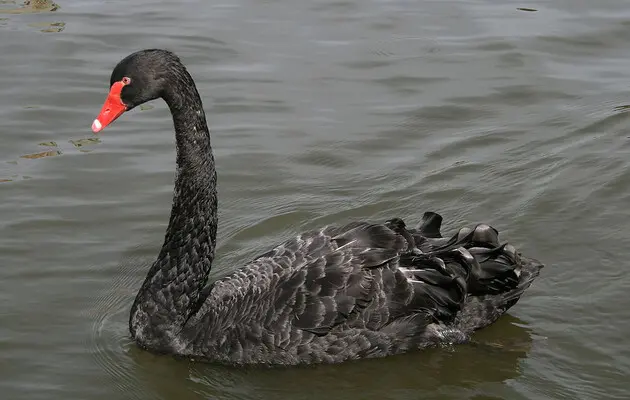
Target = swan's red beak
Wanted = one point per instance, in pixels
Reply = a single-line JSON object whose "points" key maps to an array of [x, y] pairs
{"points": [[112, 109]]}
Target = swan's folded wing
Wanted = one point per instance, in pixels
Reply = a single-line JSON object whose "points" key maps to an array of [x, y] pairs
{"points": [[343, 274]]}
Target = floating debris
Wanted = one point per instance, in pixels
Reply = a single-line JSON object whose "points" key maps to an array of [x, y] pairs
{"points": [[31, 6], [49, 153], [49, 27], [6, 180], [527, 9], [49, 144], [85, 142], [42, 5], [145, 107], [622, 108]]}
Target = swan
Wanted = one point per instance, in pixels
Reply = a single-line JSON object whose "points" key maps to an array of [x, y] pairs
{"points": [[343, 292]]}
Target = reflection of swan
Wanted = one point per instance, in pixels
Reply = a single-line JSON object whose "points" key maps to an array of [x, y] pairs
{"points": [[339, 293], [457, 372]]}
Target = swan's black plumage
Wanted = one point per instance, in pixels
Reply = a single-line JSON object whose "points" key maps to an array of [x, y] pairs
{"points": [[330, 295]]}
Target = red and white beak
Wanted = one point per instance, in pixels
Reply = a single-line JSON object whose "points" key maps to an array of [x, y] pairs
{"points": [[112, 109]]}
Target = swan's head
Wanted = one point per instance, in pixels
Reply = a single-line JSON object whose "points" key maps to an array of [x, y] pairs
{"points": [[138, 78]]}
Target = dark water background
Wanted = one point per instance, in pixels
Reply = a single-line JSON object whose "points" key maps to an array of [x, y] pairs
{"points": [[321, 111]]}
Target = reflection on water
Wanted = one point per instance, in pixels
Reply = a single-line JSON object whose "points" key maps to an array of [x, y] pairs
{"points": [[495, 358], [440, 371]]}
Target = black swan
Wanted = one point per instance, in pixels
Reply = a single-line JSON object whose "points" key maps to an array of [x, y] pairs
{"points": [[339, 293]]}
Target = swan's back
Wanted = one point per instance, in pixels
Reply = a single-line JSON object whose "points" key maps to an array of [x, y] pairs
{"points": [[357, 291]]}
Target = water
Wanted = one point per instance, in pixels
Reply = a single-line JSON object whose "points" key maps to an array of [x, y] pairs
{"points": [[321, 111]]}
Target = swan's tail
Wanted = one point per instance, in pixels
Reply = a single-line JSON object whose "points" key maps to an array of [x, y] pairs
{"points": [[496, 274], [483, 310]]}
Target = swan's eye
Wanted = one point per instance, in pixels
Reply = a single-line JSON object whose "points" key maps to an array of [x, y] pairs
{"points": [[126, 81]]}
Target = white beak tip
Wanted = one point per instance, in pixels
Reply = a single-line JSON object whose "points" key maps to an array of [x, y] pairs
{"points": [[96, 126]]}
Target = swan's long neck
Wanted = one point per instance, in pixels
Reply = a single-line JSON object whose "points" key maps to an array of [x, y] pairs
{"points": [[171, 290]]}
